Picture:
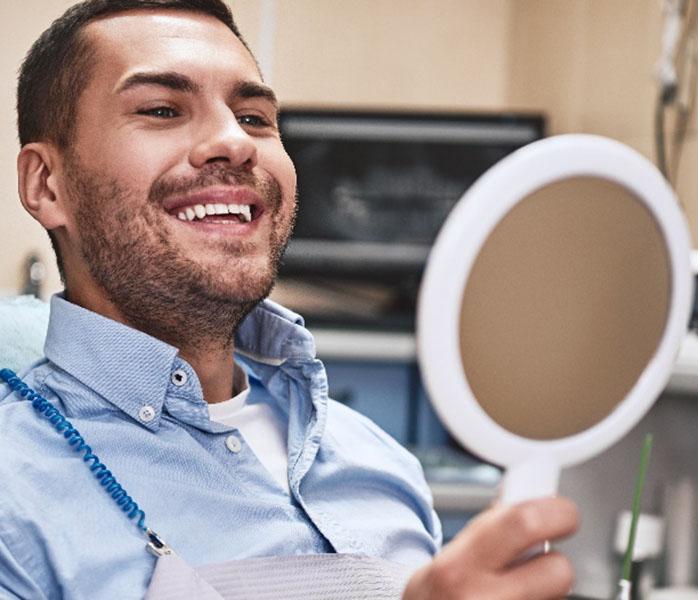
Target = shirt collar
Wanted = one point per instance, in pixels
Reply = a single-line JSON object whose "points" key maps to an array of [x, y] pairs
{"points": [[130, 368], [272, 334], [120, 363]]}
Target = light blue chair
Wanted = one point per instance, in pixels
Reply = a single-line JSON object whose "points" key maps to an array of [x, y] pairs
{"points": [[23, 323]]}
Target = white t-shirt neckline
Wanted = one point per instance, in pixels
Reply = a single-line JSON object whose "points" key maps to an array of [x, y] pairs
{"points": [[261, 427]]}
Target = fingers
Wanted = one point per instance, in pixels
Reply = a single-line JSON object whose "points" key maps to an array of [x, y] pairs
{"points": [[501, 535], [479, 562], [545, 577]]}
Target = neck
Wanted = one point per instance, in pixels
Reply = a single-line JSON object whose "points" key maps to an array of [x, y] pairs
{"points": [[214, 368]]}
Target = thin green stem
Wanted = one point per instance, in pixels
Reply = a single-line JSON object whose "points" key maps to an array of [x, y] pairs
{"points": [[639, 485]]}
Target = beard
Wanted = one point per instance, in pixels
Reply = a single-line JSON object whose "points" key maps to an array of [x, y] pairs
{"points": [[129, 252]]}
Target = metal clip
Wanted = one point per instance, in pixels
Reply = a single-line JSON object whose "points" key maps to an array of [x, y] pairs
{"points": [[624, 590], [155, 545]]}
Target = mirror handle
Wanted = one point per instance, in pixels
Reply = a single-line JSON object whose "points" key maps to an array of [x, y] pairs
{"points": [[534, 478]]}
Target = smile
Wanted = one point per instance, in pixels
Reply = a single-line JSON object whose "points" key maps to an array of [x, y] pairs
{"points": [[241, 213], [216, 206]]}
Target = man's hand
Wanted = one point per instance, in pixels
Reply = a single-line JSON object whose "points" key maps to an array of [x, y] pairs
{"points": [[480, 563]]}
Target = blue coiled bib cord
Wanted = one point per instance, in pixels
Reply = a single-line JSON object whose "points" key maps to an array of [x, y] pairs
{"points": [[99, 469]]}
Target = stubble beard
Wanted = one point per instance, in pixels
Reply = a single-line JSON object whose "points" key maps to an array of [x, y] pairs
{"points": [[156, 287]]}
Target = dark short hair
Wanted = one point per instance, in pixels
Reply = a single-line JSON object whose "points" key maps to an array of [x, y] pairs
{"points": [[59, 65], [57, 68]]}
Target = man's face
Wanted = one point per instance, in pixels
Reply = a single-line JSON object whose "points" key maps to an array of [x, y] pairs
{"points": [[176, 124]]}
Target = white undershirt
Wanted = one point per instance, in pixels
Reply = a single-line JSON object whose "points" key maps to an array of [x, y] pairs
{"points": [[261, 427]]}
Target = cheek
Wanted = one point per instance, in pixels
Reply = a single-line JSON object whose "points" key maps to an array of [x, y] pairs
{"points": [[279, 165], [136, 161]]}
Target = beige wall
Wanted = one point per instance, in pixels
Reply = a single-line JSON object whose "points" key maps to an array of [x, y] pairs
{"points": [[407, 53], [22, 21], [591, 64], [588, 63]]}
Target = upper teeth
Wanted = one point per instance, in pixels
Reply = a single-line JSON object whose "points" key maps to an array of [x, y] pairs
{"points": [[199, 211]]}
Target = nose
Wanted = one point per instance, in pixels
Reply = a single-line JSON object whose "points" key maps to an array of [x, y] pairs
{"points": [[222, 139]]}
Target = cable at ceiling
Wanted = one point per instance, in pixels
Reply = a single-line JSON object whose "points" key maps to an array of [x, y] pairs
{"points": [[677, 71]]}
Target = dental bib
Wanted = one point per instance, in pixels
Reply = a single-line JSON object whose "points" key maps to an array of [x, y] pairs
{"points": [[317, 576]]}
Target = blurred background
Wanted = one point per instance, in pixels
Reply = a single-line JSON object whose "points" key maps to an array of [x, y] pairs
{"points": [[587, 65], [391, 108]]}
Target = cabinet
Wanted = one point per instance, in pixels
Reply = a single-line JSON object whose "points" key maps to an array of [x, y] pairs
{"points": [[381, 391]]}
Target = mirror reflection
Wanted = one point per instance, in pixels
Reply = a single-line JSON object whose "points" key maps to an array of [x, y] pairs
{"points": [[564, 307]]}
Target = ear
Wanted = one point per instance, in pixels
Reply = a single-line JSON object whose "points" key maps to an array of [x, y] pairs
{"points": [[40, 188]]}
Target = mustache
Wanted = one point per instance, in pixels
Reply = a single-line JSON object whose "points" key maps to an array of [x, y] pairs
{"points": [[216, 174]]}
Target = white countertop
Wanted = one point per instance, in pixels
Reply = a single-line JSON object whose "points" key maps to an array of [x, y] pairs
{"points": [[462, 497], [379, 346], [684, 376]]}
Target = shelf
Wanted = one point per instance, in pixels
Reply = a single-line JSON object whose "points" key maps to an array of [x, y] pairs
{"points": [[684, 376], [378, 346], [462, 497], [373, 346]]}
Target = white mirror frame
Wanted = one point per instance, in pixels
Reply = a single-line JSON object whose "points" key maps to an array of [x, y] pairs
{"points": [[533, 465]]}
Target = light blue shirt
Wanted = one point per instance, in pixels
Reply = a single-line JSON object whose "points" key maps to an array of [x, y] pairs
{"points": [[353, 488]]}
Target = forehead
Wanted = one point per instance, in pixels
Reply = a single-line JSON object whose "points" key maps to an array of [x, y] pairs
{"points": [[145, 40]]}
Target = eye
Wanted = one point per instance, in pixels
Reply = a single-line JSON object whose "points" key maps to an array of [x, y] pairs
{"points": [[160, 112], [253, 121]]}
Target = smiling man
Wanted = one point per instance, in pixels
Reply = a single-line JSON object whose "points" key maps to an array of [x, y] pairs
{"points": [[151, 154]]}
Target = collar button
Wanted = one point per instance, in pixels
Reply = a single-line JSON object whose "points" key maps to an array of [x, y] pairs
{"points": [[233, 444], [179, 377], [146, 413]]}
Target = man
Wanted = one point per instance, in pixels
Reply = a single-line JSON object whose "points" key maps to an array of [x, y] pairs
{"points": [[151, 154]]}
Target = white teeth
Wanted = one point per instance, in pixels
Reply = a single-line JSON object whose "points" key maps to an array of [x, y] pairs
{"points": [[200, 211], [243, 210]]}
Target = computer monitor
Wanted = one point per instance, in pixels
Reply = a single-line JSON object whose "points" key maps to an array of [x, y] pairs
{"points": [[374, 189]]}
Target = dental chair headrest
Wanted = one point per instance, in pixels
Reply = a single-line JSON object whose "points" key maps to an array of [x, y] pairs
{"points": [[23, 324]]}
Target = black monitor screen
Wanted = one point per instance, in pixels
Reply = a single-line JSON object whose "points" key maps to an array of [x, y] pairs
{"points": [[374, 188]]}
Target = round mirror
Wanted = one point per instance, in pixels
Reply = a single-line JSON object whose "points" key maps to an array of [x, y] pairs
{"points": [[553, 305]]}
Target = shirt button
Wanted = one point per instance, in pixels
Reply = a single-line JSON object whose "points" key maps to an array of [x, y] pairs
{"points": [[233, 443], [146, 413], [179, 377]]}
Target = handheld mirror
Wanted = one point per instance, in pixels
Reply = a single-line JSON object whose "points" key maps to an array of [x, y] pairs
{"points": [[553, 306]]}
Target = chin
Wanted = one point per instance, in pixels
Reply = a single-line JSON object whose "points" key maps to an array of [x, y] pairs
{"points": [[243, 282]]}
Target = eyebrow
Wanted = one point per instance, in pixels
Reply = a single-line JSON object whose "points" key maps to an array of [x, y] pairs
{"points": [[181, 83], [168, 79], [252, 89]]}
